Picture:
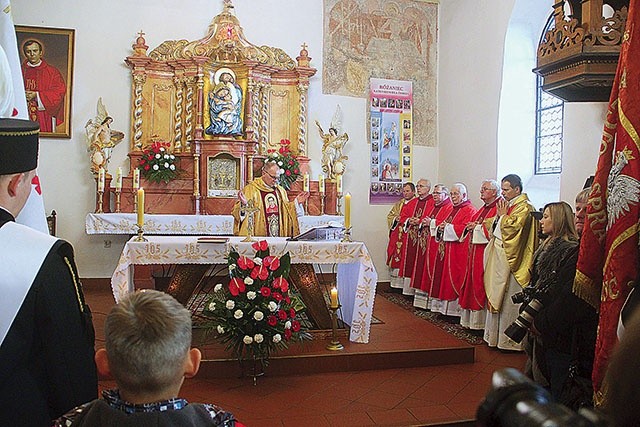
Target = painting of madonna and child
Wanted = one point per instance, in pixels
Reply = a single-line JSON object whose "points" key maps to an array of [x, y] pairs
{"points": [[225, 104]]}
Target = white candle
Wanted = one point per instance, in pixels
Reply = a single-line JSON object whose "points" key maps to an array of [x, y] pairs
{"points": [[339, 185], [101, 179], [140, 212], [119, 179], [334, 297], [305, 182], [136, 178], [321, 184]]}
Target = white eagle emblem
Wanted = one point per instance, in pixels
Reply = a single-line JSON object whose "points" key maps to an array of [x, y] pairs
{"points": [[623, 190]]}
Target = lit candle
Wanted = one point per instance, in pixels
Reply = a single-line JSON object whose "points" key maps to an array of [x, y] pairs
{"points": [[321, 184], [118, 178], [136, 178], [101, 178], [334, 297], [347, 210], [339, 185], [305, 182], [140, 207]]}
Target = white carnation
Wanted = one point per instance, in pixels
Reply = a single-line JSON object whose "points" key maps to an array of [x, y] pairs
{"points": [[287, 324], [162, 149], [258, 315], [156, 167], [251, 295], [277, 338], [166, 157], [248, 280], [272, 306], [247, 340], [166, 165], [258, 260], [220, 329], [217, 288], [238, 314], [230, 304], [172, 167], [158, 156], [258, 338], [172, 157], [212, 306]]}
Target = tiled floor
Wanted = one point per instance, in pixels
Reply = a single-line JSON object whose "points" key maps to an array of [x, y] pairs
{"points": [[390, 397]]}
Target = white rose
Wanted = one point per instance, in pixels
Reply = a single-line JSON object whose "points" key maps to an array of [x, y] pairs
{"points": [[162, 149], [156, 167], [272, 306], [238, 314], [172, 167], [220, 329], [257, 260], [280, 172], [248, 280], [258, 315], [251, 295], [230, 304], [277, 338], [217, 288], [166, 157], [212, 306], [258, 338], [172, 157], [287, 325], [247, 340], [158, 156], [166, 165]]}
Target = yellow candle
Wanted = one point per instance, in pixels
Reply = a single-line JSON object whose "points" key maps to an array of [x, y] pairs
{"points": [[136, 178], [321, 184], [140, 207], [118, 178], [334, 297], [101, 178], [339, 185], [305, 182], [347, 210]]}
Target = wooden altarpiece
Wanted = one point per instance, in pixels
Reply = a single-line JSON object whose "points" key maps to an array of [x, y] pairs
{"points": [[173, 88]]}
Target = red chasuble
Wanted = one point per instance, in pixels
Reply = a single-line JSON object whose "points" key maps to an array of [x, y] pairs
{"points": [[473, 295], [455, 253], [48, 82], [397, 237], [423, 277], [415, 208]]}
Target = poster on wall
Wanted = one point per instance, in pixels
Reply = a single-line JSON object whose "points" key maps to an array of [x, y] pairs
{"points": [[391, 136]]}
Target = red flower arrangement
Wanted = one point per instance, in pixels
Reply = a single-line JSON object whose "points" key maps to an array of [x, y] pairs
{"points": [[289, 166], [255, 314], [157, 164]]}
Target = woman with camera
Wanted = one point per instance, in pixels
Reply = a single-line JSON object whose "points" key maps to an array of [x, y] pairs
{"points": [[562, 333]]}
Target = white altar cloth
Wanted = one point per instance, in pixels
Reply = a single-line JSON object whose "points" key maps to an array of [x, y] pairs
{"points": [[356, 274], [125, 223]]}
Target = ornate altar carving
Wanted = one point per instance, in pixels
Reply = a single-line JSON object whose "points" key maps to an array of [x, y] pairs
{"points": [[222, 102], [578, 54]]}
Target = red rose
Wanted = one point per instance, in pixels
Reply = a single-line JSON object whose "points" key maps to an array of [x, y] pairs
{"points": [[291, 162], [245, 263], [288, 173], [265, 292], [282, 150], [262, 245], [280, 283], [142, 161], [236, 286], [260, 272], [295, 326], [282, 315], [287, 334], [271, 320], [296, 170], [277, 296], [292, 313], [287, 299], [147, 167]]}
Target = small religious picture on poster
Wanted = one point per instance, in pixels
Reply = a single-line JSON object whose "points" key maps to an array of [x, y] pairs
{"points": [[391, 137]]}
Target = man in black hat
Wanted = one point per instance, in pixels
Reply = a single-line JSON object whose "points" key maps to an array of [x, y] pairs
{"points": [[46, 334]]}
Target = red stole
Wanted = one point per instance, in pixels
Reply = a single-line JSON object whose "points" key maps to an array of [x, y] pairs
{"points": [[417, 208]]}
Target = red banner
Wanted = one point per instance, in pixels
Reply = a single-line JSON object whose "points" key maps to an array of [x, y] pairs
{"points": [[608, 262]]}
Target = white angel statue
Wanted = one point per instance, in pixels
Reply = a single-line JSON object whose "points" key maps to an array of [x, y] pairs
{"points": [[100, 138], [333, 161]]}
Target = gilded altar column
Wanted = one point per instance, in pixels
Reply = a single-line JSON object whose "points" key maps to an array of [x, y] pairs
{"points": [[200, 94], [138, 82], [302, 119], [177, 116], [264, 119], [188, 119]]}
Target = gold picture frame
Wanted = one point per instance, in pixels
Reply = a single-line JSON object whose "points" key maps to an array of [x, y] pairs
{"points": [[46, 56]]}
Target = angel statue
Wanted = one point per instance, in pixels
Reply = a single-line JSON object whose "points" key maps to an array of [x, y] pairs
{"points": [[100, 138], [333, 161]]}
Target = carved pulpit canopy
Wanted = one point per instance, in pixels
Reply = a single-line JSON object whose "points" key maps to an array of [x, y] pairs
{"points": [[578, 53]]}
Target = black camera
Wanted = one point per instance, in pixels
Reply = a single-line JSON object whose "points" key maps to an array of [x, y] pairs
{"points": [[517, 401], [518, 329]]}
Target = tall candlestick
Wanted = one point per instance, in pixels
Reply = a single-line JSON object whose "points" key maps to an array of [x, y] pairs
{"points": [[339, 185], [136, 178], [119, 179], [305, 182], [140, 207], [334, 297], [321, 184], [101, 179], [347, 210]]}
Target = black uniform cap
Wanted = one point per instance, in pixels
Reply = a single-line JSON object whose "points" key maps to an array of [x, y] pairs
{"points": [[18, 145]]}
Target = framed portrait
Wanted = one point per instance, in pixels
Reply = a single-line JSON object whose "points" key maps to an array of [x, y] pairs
{"points": [[46, 55]]}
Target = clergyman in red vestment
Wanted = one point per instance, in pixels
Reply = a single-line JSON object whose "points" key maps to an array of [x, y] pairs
{"points": [[394, 248]]}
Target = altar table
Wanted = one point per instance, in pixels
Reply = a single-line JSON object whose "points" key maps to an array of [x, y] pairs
{"points": [[356, 274], [125, 223]]}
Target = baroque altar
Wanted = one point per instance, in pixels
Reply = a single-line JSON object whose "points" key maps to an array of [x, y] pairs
{"points": [[220, 104]]}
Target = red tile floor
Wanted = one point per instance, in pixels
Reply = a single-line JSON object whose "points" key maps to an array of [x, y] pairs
{"points": [[418, 396]]}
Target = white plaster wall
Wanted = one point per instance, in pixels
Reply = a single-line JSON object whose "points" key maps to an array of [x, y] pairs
{"points": [[471, 46]]}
